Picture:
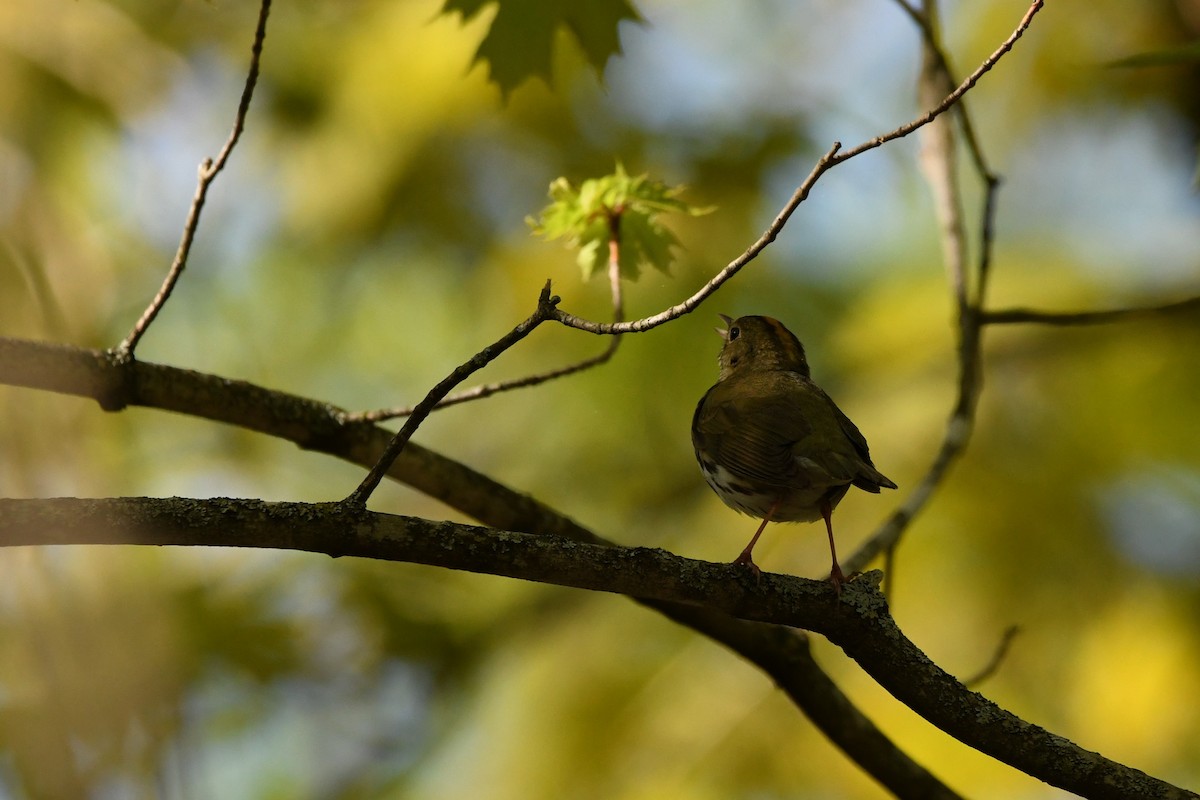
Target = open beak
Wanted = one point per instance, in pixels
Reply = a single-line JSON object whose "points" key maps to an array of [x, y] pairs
{"points": [[724, 332]]}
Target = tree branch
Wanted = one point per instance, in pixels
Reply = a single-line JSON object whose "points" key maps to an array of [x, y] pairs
{"points": [[1063, 318], [735, 266], [858, 620], [325, 428], [941, 171]]}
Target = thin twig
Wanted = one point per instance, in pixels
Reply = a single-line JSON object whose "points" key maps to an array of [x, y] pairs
{"points": [[953, 97], [207, 173], [912, 12], [834, 156], [488, 389], [991, 190], [1001, 652], [545, 310], [1025, 315]]}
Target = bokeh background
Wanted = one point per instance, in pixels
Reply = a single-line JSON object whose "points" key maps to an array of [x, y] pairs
{"points": [[369, 234]]}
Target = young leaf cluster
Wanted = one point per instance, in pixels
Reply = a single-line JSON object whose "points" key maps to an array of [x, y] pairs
{"points": [[617, 216]]}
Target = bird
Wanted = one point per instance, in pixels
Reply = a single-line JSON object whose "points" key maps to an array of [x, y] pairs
{"points": [[770, 442]]}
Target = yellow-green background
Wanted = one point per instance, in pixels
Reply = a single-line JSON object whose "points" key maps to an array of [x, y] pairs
{"points": [[369, 234]]}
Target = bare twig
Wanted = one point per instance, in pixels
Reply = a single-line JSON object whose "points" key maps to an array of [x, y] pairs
{"points": [[207, 173], [939, 163], [1024, 315], [488, 389], [1001, 652], [953, 97], [545, 310], [834, 156], [987, 234], [912, 12]]}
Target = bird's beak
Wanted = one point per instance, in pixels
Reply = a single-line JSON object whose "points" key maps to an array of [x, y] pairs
{"points": [[724, 332]]}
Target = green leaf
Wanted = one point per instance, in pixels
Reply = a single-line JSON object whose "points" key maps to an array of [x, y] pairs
{"points": [[520, 41], [618, 205]]}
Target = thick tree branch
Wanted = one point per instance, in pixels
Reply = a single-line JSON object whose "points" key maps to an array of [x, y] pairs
{"points": [[325, 428], [785, 655], [857, 620]]}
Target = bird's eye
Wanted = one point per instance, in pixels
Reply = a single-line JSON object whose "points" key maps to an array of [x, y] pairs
{"points": [[734, 332]]}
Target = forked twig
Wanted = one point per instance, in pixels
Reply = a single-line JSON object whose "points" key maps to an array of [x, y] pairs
{"points": [[934, 49], [972, 318], [959, 426], [545, 310], [207, 173], [488, 389]]}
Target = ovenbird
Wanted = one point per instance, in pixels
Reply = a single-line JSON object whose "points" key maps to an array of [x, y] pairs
{"points": [[770, 442]]}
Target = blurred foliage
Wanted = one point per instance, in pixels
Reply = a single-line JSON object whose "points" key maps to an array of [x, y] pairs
{"points": [[1184, 54], [368, 235]]}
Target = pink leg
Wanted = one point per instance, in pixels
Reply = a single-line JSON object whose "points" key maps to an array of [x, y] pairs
{"points": [[835, 574], [745, 557]]}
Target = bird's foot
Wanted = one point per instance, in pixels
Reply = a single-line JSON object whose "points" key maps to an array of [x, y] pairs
{"points": [[746, 561], [837, 578]]}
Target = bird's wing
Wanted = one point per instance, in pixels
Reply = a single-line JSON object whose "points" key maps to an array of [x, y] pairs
{"points": [[751, 438], [785, 432], [866, 477]]}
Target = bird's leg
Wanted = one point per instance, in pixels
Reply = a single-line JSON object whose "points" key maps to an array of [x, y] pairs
{"points": [[745, 558], [835, 574]]}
